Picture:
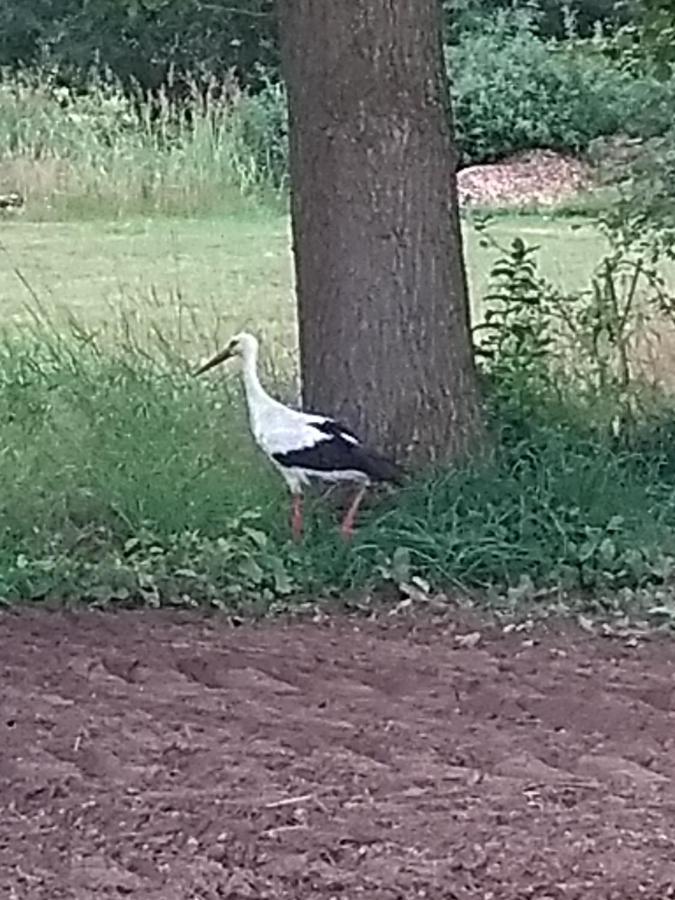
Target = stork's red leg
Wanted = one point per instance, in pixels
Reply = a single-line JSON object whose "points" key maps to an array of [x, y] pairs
{"points": [[348, 521], [296, 520]]}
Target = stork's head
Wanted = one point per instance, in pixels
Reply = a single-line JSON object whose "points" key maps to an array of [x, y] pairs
{"points": [[243, 345]]}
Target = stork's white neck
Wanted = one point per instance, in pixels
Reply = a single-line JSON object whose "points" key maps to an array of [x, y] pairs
{"points": [[257, 398]]}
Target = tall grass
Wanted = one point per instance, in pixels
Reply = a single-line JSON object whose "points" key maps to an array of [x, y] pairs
{"points": [[125, 479], [514, 91], [100, 151]]}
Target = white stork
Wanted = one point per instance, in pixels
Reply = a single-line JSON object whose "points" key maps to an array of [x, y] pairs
{"points": [[303, 446]]}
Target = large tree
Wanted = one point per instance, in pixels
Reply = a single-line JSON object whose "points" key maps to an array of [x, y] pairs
{"points": [[383, 315]]}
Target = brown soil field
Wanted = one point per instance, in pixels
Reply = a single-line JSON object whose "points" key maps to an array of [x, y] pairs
{"points": [[154, 756]]}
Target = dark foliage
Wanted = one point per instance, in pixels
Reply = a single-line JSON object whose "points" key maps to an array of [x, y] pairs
{"points": [[148, 41]]}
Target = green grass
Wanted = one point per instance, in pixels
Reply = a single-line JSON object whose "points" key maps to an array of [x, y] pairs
{"points": [[124, 479], [186, 277], [227, 272]]}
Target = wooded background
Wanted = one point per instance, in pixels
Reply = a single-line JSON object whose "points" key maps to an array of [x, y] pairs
{"points": [[144, 39]]}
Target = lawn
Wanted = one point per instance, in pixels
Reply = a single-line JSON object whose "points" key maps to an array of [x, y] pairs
{"points": [[187, 277], [199, 279]]}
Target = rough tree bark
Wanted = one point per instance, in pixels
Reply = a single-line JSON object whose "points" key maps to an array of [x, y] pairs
{"points": [[383, 314]]}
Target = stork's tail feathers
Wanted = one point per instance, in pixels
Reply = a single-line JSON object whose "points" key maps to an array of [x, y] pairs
{"points": [[372, 464]]}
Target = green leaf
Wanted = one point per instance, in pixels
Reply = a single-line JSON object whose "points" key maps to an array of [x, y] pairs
{"points": [[251, 571]]}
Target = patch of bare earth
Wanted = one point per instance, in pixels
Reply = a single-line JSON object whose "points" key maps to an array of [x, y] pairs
{"points": [[154, 759], [538, 177]]}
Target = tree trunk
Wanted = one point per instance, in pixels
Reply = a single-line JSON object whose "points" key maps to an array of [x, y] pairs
{"points": [[384, 328]]}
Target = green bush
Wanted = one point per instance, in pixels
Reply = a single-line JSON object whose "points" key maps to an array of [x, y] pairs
{"points": [[264, 120], [146, 41], [645, 171], [582, 353], [514, 91]]}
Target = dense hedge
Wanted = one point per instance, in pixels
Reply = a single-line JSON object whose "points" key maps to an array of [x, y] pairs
{"points": [[514, 90]]}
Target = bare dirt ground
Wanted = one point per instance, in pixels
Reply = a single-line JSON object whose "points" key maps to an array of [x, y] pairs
{"points": [[154, 758]]}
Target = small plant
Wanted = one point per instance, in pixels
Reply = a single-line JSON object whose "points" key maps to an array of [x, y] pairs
{"points": [[515, 335], [545, 348], [644, 215]]}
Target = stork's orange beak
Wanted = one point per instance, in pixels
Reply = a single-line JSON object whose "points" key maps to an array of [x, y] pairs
{"points": [[221, 357]]}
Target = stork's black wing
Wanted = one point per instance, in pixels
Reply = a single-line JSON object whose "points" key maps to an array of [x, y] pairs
{"points": [[339, 452]]}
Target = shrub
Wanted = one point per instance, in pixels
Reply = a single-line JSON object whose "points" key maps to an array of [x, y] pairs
{"points": [[514, 91], [553, 17], [585, 352], [109, 148], [264, 134], [146, 43], [646, 173]]}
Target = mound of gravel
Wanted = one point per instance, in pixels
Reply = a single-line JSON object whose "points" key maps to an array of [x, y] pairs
{"points": [[540, 177]]}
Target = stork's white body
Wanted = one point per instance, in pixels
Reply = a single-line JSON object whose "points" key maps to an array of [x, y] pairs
{"points": [[303, 446], [278, 430]]}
